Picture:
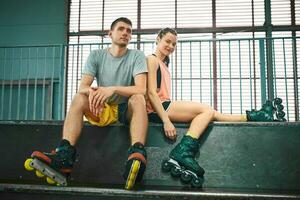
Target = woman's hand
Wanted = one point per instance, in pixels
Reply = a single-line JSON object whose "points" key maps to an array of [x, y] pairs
{"points": [[170, 130]]}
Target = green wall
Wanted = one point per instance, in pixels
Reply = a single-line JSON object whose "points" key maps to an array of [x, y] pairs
{"points": [[24, 24], [33, 22]]}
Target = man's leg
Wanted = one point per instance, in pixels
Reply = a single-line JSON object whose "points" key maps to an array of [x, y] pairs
{"points": [[74, 119], [136, 162], [58, 164]]}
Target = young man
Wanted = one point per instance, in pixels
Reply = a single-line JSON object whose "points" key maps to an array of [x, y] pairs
{"points": [[115, 98]]}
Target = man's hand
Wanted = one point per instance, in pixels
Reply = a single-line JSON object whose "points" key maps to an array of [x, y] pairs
{"points": [[97, 97]]}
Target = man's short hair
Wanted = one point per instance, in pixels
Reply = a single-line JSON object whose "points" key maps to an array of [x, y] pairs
{"points": [[121, 19]]}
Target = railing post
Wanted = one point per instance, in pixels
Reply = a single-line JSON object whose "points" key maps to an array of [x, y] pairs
{"points": [[262, 70], [268, 25]]}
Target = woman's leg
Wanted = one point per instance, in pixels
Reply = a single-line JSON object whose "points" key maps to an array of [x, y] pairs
{"points": [[198, 114], [229, 118]]}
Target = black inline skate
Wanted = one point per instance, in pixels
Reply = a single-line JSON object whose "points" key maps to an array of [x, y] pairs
{"points": [[182, 163], [270, 111], [55, 166], [135, 165]]}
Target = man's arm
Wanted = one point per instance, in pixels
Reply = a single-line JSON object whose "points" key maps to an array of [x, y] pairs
{"points": [[139, 86], [85, 84], [97, 96]]}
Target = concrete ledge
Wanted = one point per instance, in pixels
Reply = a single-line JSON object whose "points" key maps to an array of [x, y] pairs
{"points": [[31, 192], [255, 156]]}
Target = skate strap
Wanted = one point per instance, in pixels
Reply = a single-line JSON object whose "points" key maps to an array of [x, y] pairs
{"points": [[41, 156], [138, 156]]}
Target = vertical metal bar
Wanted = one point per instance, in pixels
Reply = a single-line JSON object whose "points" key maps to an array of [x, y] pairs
{"points": [[44, 83], [176, 13], [285, 78], [220, 77], [200, 61], [102, 22], [81, 61], [19, 85], [274, 68], [64, 65], [11, 84], [254, 54], [35, 84], [175, 72], [138, 38], [295, 77], [181, 70], [295, 68], [268, 25], [241, 82], [72, 70], [215, 71], [210, 77], [65, 78], [3, 85], [172, 88], [191, 75], [77, 67], [262, 71], [52, 85], [230, 81], [250, 74], [60, 82], [27, 86]]}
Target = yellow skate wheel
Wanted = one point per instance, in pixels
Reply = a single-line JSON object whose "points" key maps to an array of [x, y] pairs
{"points": [[132, 175], [50, 181], [27, 164], [39, 174]]}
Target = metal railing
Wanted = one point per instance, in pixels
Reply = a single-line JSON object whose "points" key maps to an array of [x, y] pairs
{"points": [[39, 82]]}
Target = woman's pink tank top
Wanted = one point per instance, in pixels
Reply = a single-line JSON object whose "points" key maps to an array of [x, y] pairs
{"points": [[164, 92]]}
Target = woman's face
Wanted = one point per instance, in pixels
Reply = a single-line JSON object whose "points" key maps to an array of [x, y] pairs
{"points": [[166, 45]]}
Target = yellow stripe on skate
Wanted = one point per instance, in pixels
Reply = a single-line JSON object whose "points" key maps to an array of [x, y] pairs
{"points": [[132, 174]]}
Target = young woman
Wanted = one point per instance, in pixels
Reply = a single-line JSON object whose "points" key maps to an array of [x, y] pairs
{"points": [[161, 109]]}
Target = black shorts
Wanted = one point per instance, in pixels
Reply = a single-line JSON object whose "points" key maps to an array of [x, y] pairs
{"points": [[153, 117], [122, 113]]}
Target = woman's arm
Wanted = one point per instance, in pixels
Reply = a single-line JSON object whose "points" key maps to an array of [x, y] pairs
{"points": [[156, 103]]}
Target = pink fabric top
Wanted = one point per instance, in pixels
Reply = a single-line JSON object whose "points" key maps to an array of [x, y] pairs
{"points": [[164, 92]]}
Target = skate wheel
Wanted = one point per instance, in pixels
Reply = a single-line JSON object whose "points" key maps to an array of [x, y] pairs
{"points": [[39, 174], [280, 107], [50, 181], [197, 183], [277, 101], [133, 174], [280, 114], [27, 165], [185, 177], [175, 172], [166, 167]]}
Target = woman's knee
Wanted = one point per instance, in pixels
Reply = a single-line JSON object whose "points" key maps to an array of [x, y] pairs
{"points": [[211, 113]]}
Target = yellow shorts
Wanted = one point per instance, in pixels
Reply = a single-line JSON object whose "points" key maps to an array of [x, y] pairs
{"points": [[108, 116]]}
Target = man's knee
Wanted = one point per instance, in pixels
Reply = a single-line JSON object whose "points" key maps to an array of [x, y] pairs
{"points": [[137, 100], [79, 100]]}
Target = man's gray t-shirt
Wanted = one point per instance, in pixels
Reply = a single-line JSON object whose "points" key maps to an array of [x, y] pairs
{"points": [[115, 71]]}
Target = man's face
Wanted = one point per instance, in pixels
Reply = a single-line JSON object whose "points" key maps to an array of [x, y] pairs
{"points": [[121, 34]]}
